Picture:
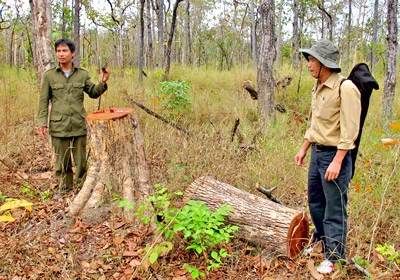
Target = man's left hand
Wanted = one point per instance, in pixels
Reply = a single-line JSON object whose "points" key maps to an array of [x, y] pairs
{"points": [[105, 76], [333, 171]]}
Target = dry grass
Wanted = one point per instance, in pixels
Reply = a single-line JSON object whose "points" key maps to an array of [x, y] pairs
{"points": [[217, 101]]}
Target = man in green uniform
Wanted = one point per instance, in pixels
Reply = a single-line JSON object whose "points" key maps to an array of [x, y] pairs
{"points": [[63, 87]]}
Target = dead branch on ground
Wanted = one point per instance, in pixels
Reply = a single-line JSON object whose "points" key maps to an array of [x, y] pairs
{"points": [[167, 121]]}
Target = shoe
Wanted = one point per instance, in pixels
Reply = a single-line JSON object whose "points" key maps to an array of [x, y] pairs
{"points": [[326, 267]]}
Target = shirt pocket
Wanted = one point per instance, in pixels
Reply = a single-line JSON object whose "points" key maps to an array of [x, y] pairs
{"points": [[58, 90], [77, 90], [328, 109], [56, 123]]}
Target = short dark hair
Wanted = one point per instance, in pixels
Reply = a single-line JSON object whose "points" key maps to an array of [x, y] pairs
{"points": [[64, 41]]}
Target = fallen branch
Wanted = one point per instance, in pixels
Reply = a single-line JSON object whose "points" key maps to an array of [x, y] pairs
{"points": [[359, 267], [268, 193], [150, 112], [313, 271], [213, 125]]}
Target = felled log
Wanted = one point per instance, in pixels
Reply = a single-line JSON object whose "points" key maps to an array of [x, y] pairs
{"points": [[118, 163], [276, 228]]}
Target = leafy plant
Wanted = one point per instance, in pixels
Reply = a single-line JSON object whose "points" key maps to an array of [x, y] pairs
{"points": [[360, 261], [194, 272], [174, 96], [201, 227], [389, 252]]}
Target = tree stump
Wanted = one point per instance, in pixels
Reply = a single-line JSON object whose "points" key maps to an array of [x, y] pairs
{"points": [[275, 227], [118, 166]]}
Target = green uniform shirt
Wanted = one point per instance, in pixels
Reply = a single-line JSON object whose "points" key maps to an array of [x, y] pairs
{"points": [[65, 94]]}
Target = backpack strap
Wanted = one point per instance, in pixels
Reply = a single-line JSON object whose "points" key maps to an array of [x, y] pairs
{"points": [[340, 86]]}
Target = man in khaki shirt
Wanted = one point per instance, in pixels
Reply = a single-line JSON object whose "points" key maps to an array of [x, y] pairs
{"points": [[331, 131]]}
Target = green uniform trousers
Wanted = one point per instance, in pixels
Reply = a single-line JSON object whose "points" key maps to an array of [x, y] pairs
{"points": [[64, 147]]}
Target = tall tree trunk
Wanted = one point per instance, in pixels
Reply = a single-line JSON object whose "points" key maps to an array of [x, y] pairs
{"points": [[186, 47], [265, 78], [390, 78], [358, 36], [254, 50], [279, 36], [160, 16], [167, 62], [42, 46], [11, 48], [374, 36], [64, 19], [77, 32], [150, 38], [349, 36], [141, 40], [295, 35]]}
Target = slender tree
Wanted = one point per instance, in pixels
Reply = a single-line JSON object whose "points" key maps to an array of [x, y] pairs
{"points": [[279, 36], [390, 78], [42, 45], [141, 40], [187, 45], [265, 78], [349, 37], [295, 35], [150, 37], [167, 61], [77, 32], [374, 35], [159, 8], [254, 49]]}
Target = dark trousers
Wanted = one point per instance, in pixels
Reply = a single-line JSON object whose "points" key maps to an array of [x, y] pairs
{"points": [[327, 201], [64, 147]]}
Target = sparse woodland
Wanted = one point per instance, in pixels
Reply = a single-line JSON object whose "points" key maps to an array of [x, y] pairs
{"points": [[219, 90]]}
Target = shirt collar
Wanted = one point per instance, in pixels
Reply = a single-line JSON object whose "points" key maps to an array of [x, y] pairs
{"points": [[58, 68], [331, 81]]}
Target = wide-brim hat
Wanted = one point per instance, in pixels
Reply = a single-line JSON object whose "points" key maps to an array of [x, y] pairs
{"points": [[325, 52]]}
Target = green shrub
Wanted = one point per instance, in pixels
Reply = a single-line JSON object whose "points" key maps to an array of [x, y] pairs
{"points": [[174, 97]]}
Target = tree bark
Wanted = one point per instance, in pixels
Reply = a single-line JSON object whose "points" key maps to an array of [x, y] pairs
{"points": [[186, 59], [276, 228], [150, 37], [167, 61], [254, 50], [295, 35], [41, 23], [374, 35], [279, 36], [141, 40], [77, 32], [160, 17], [390, 78], [265, 78], [118, 162]]}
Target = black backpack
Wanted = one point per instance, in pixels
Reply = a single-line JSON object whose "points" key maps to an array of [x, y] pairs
{"points": [[365, 82]]}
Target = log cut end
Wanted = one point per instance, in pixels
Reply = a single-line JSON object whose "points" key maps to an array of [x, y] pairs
{"points": [[297, 235], [110, 114]]}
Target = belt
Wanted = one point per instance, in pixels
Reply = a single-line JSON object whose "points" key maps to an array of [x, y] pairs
{"points": [[323, 148]]}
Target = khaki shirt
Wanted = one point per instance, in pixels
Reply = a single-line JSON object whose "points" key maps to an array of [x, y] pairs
{"points": [[67, 113], [334, 118]]}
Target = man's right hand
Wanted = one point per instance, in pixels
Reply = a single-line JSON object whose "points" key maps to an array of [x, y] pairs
{"points": [[43, 131]]}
